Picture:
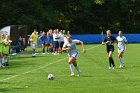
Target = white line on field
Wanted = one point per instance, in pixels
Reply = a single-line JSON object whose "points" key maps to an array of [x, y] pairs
{"points": [[40, 67]]}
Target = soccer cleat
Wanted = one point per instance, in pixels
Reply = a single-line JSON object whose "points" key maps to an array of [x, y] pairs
{"points": [[72, 74], [78, 74], [121, 66], [109, 67], [43, 53]]}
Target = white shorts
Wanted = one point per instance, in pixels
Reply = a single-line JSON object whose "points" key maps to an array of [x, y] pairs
{"points": [[75, 55], [34, 46], [121, 49]]}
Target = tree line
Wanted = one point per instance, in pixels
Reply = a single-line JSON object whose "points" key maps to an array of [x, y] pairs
{"points": [[77, 16]]}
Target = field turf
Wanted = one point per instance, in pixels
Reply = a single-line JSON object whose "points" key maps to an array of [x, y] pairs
{"points": [[29, 75]]}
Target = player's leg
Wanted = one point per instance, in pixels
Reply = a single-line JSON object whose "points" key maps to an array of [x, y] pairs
{"points": [[54, 47], [70, 61], [7, 58], [1, 58], [76, 66], [111, 58], [33, 48], [120, 56], [43, 48], [74, 57], [57, 47]]}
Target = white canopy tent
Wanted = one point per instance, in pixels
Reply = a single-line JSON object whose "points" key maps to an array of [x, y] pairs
{"points": [[5, 30]]}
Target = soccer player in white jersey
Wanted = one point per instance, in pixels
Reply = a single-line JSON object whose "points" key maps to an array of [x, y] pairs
{"points": [[70, 46], [122, 46]]}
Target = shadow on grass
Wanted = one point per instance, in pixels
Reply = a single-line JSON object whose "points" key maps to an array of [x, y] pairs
{"points": [[86, 76], [4, 83], [7, 74], [2, 90], [21, 57]]}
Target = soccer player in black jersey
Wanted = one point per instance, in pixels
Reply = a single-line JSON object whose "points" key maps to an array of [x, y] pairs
{"points": [[109, 41]]}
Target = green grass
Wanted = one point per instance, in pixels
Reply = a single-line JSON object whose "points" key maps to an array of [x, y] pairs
{"points": [[29, 75]]}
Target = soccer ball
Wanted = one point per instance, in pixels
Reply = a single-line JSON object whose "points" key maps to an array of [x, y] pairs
{"points": [[51, 77], [34, 55]]}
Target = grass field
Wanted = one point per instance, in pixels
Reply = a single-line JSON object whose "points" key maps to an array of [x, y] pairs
{"points": [[29, 75]]}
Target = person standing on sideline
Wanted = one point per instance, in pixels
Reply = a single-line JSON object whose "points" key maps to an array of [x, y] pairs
{"points": [[109, 41], [70, 46], [1, 51], [56, 41], [49, 42], [43, 38], [6, 48], [34, 40], [122, 46], [61, 41]]}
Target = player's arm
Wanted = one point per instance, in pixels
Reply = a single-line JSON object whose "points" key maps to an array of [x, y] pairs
{"points": [[65, 47], [82, 44], [104, 41], [126, 45]]}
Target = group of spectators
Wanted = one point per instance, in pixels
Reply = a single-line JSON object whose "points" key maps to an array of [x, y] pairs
{"points": [[51, 41]]}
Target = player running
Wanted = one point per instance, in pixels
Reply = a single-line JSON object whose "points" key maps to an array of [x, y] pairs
{"points": [[121, 40], [34, 41], [109, 41], [70, 46]]}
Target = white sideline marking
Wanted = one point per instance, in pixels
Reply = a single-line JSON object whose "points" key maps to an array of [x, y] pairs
{"points": [[40, 67]]}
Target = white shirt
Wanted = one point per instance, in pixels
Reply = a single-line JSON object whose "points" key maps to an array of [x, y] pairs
{"points": [[55, 36], [61, 37], [72, 46], [121, 41]]}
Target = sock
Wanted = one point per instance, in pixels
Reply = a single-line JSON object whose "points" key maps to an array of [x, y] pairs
{"points": [[77, 68], [113, 62], [109, 62], [122, 61], [48, 50], [72, 68], [43, 50], [8, 58], [1, 62]]}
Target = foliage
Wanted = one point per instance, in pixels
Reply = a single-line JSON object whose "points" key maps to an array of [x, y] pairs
{"points": [[78, 16]]}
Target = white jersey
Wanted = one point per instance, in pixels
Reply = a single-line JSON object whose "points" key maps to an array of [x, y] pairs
{"points": [[73, 51], [61, 37], [121, 43]]}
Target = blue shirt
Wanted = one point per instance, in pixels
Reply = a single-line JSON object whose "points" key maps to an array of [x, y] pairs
{"points": [[43, 38], [49, 39]]}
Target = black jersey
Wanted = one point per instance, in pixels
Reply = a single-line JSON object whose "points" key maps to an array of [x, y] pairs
{"points": [[109, 45]]}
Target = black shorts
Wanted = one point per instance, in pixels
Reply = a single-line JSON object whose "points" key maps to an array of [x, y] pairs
{"points": [[61, 44], [56, 44], [110, 49], [44, 44], [47, 44]]}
